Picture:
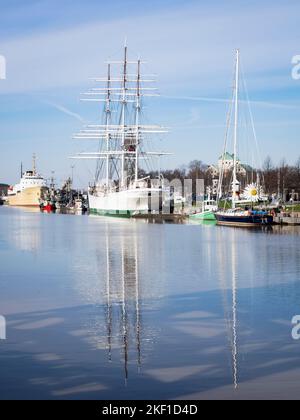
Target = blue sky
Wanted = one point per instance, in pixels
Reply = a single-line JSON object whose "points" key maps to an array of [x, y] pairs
{"points": [[53, 47]]}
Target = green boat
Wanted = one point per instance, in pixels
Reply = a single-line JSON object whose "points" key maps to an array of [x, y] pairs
{"points": [[208, 212], [204, 215]]}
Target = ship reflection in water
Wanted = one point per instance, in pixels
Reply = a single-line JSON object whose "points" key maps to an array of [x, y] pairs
{"points": [[128, 299], [111, 282], [116, 309], [26, 232], [120, 290]]}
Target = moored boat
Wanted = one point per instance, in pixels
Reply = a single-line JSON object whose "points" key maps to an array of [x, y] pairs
{"points": [[237, 216], [119, 190], [78, 204], [30, 191], [47, 207], [207, 212], [203, 215]]}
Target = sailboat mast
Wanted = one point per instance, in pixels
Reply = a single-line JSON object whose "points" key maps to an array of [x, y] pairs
{"points": [[107, 122], [235, 186], [123, 115], [137, 120]]}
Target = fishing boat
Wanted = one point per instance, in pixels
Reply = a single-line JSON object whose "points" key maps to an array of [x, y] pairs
{"points": [[47, 206], [238, 215], [123, 138], [207, 212], [204, 215], [78, 204]]}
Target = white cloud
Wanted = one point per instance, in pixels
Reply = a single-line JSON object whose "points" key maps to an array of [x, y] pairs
{"points": [[2, 67], [66, 111], [222, 100]]}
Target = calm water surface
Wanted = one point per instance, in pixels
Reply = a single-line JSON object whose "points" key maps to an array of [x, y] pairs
{"points": [[115, 309]]}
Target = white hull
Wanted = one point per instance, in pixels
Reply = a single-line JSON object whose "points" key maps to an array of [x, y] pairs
{"points": [[128, 202]]}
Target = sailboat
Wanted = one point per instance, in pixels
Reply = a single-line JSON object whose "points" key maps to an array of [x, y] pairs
{"points": [[238, 216], [119, 189]]}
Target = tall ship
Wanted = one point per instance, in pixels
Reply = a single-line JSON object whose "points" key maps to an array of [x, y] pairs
{"points": [[30, 190], [242, 211], [121, 186]]}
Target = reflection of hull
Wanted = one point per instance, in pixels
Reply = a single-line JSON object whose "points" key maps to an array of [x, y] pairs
{"points": [[127, 203], [30, 197], [247, 221]]}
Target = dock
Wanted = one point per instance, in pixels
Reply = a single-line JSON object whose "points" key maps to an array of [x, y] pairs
{"points": [[292, 219], [162, 218]]}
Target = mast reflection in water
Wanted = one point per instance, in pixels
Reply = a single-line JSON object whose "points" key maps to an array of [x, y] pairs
{"points": [[125, 297], [112, 284]]}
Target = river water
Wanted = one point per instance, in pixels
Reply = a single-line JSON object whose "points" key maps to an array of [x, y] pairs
{"points": [[105, 308]]}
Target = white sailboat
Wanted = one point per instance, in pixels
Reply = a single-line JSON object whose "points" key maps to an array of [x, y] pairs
{"points": [[237, 216], [119, 190]]}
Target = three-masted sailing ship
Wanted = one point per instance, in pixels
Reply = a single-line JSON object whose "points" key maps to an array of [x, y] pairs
{"points": [[119, 188]]}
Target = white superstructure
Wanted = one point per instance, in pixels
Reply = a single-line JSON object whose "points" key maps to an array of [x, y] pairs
{"points": [[29, 179]]}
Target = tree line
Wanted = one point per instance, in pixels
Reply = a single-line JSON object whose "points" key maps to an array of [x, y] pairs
{"points": [[282, 180]]}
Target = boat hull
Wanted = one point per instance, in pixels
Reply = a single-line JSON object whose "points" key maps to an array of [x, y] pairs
{"points": [[48, 208], [207, 216], [30, 197], [128, 203], [244, 221]]}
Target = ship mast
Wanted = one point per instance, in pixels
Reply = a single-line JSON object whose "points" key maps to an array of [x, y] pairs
{"points": [[125, 129], [107, 122], [123, 117], [235, 182], [137, 120]]}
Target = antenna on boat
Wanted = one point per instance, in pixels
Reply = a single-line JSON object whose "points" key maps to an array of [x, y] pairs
{"points": [[34, 164]]}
